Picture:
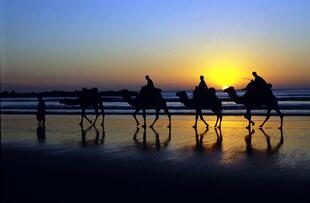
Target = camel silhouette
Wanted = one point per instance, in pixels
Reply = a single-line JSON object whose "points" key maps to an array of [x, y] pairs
{"points": [[252, 100], [211, 102], [142, 102], [88, 98]]}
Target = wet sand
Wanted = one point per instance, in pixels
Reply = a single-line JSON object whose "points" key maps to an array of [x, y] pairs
{"points": [[66, 163]]}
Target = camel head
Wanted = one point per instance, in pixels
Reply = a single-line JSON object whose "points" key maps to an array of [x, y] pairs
{"points": [[126, 94], [229, 90], [232, 94]]}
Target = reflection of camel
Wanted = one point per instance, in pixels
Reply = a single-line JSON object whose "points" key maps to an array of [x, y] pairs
{"points": [[141, 103], [250, 101], [270, 149], [96, 140], [269, 146], [219, 139], [199, 139], [88, 98], [158, 144], [212, 103]]}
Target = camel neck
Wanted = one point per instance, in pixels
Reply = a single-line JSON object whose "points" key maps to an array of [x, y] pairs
{"points": [[130, 100], [233, 95]]}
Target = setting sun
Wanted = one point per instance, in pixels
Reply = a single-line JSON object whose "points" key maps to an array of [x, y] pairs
{"points": [[223, 77], [224, 87]]}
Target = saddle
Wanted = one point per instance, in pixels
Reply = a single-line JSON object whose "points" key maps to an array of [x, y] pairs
{"points": [[203, 94], [149, 93], [87, 94], [258, 90]]}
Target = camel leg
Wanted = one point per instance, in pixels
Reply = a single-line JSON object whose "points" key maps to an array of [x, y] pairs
{"points": [[97, 113], [102, 113], [144, 118], [281, 116], [248, 116], [267, 117], [169, 116], [201, 118], [196, 119], [156, 118], [217, 119], [218, 115], [82, 116], [88, 119], [135, 117], [221, 117]]}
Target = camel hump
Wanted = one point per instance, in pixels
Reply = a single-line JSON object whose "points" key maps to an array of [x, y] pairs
{"points": [[149, 90], [89, 92], [157, 90]]}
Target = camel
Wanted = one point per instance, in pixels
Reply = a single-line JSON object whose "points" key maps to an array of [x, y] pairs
{"points": [[252, 100], [141, 102], [88, 98], [211, 102]]}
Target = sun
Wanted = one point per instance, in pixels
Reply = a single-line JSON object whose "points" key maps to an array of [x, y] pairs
{"points": [[224, 87], [224, 69], [223, 77]]}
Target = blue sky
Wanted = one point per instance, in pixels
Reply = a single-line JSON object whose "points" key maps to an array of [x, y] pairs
{"points": [[66, 44]]}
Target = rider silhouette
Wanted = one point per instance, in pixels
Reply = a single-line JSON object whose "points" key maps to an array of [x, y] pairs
{"points": [[150, 83], [201, 90], [202, 85], [259, 81], [259, 85]]}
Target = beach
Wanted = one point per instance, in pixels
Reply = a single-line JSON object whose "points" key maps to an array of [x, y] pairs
{"points": [[64, 161]]}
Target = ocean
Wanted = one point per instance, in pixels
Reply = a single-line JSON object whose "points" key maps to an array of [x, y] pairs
{"points": [[293, 102]]}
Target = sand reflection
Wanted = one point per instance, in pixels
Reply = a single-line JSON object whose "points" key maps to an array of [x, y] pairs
{"points": [[142, 143]]}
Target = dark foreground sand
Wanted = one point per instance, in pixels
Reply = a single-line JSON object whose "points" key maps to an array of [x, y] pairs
{"points": [[119, 163]]}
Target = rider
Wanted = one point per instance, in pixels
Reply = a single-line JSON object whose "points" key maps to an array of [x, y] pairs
{"points": [[259, 81], [201, 89], [259, 85], [202, 85], [150, 83]]}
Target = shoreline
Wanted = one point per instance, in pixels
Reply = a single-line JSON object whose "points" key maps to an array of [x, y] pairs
{"points": [[153, 113]]}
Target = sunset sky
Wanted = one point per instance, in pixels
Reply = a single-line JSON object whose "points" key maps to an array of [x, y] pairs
{"points": [[113, 44]]}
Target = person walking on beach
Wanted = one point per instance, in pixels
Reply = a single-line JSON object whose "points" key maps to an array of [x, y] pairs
{"points": [[41, 111]]}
